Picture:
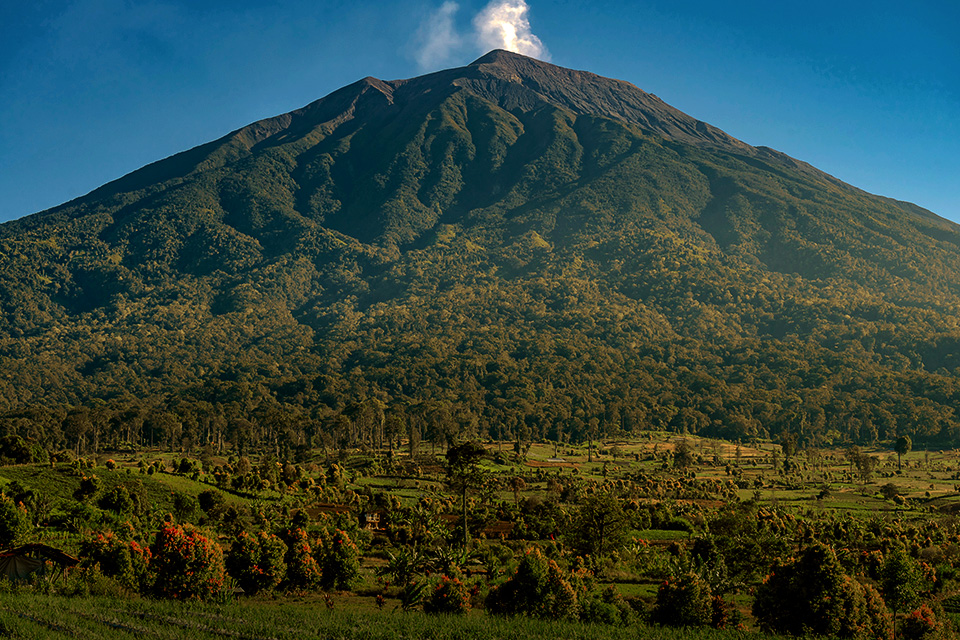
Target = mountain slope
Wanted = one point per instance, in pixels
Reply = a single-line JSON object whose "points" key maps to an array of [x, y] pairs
{"points": [[509, 248]]}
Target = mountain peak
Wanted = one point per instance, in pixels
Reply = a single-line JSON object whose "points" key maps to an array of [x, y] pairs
{"points": [[534, 82], [501, 61], [512, 61], [495, 56]]}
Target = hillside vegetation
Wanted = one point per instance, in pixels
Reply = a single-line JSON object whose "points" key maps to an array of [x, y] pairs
{"points": [[662, 537], [509, 249]]}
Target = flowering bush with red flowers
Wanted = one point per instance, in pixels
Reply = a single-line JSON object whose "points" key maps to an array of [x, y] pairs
{"points": [[303, 572], [186, 564], [921, 624], [539, 588], [449, 596], [256, 561], [14, 521], [339, 560], [127, 561]]}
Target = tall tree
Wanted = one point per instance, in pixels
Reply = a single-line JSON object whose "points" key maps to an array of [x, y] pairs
{"points": [[517, 484], [682, 455], [463, 472], [902, 447], [600, 525], [900, 582], [76, 425]]}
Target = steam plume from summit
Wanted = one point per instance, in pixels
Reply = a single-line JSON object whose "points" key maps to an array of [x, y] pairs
{"points": [[438, 36], [503, 24]]}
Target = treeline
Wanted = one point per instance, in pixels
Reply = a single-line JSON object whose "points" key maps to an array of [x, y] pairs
{"points": [[534, 356]]}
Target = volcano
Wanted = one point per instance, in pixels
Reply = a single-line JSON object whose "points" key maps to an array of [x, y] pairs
{"points": [[506, 249]]}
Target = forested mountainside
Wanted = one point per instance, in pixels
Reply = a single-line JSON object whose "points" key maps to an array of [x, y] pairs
{"points": [[509, 249]]}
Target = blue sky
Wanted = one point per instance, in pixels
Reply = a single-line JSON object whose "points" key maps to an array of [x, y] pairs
{"points": [[93, 89]]}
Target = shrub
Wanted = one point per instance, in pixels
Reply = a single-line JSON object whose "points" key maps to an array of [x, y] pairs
{"points": [[36, 503], [187, 467], [256, 561], [677, 523], [211, 500], [126, 561], [78, 517], [449, 596], [118, 500], [339, 560], [184, 505], [890, 491], [725, 615], [921, 624], [538, 588], [812, 596], [14, 522], [302, 568], [607, 607], [684, 602], [186, 564], [86, 581], [88, 489]]}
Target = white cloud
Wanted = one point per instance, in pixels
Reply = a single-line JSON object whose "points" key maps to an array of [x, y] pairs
{"points": [[503, 24], [438, 37]]}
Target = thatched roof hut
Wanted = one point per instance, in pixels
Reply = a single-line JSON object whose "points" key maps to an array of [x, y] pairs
{"points": [[22, 562]]}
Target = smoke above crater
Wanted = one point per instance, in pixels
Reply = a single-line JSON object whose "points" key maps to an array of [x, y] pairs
{"points": [[504, 24], [501, 24]]}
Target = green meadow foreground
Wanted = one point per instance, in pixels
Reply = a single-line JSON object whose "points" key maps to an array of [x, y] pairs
{"points": [[52, 617], [659, 537]]}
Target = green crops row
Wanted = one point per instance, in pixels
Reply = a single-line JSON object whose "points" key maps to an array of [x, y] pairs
{"points": [[49, 617]]}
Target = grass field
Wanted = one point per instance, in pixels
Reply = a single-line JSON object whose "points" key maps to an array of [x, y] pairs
{"points": [[35, 617]]}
